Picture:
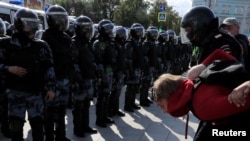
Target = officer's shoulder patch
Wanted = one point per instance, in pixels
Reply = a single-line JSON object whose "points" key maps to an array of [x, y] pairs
{"points": [[102, 45]]}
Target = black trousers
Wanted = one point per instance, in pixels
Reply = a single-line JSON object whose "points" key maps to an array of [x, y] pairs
{"points": [[80, 113]]}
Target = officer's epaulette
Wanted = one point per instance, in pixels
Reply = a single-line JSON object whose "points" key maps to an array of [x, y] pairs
{"points": [[220, 33], [217, 36]]}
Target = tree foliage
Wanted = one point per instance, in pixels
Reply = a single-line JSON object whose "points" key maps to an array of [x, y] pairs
{"points": [[129, 12], [125, 12]]}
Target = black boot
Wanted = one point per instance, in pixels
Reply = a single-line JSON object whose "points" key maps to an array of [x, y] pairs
{"points": [[37, 129], [5, 130], [16, 128], [90, 130], [60, 125], [78, 114]]}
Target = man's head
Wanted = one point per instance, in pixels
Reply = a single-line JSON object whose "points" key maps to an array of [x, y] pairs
{"points": [[197, 24], [26, 23], [231, 25], [164, 87], [57, 18]]}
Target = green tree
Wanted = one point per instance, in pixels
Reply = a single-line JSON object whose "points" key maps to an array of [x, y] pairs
{"points": [[131, 11], [173, 19]]}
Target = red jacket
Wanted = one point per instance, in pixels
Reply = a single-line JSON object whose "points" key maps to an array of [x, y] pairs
{"points": [[209, 102]]}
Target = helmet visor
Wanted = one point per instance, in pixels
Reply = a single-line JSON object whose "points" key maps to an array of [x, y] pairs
{"points": [[86, 29], [153, 33], [165, 37], [2, 28], [30, 24], [61, 21], [184, 35], [121, 33], [108, 28], [140, 31]]}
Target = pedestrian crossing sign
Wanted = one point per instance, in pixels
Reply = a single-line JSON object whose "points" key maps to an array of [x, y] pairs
{"points": [[162, 16]]}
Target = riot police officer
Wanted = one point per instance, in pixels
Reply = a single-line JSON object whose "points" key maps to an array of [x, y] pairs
{"points": [[27, 64], [83, 26], [121, 35], [150, 64], [172, 54], [200, 27], [162, 48], [106, 57], [135, 62], [61, 46], [3, 98]]}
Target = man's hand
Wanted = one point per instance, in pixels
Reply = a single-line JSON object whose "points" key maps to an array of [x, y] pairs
{"points": [[195, 71], [50, 95], [239, 94], [16, 70]]}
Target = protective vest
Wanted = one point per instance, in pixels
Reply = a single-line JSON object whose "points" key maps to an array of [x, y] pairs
{"points": [[62, 50], [28, 58]]}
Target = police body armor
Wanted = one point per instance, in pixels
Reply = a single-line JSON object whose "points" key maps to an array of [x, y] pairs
{"points": [[134, 60], [87, 66], [120, 67], [151, 63], [62, 53], [29, 54], [105, 57]]}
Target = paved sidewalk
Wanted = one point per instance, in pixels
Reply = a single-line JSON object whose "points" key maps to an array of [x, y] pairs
{"points": [[146, 124]]}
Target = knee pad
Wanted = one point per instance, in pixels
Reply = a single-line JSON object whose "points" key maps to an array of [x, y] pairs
{"points": [[16, 125]]}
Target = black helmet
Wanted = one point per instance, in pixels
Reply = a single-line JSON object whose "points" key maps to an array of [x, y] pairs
{"points": [[152, 33], [10, 29], [84, 27], [105, 28], [171, 34], [2, 28], [71, 29], [137, 30], [197, 23], [57, 18], [163, 37], [176, 40], [26, 22], [39, 32], [121, 34]]}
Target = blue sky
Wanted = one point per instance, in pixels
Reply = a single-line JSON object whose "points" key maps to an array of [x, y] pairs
{"points": [[181, 6]]}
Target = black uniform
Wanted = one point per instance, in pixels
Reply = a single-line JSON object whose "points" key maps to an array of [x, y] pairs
{"points": [[62, 50], [119, 72], [209, 38], [25, 90], [106, 57], [243, 40], [135, 61], [3, 98], [135, 64]]}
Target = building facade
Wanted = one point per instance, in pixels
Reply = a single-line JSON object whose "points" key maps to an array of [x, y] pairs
{"points": [[230, 8], [36, 4]]}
